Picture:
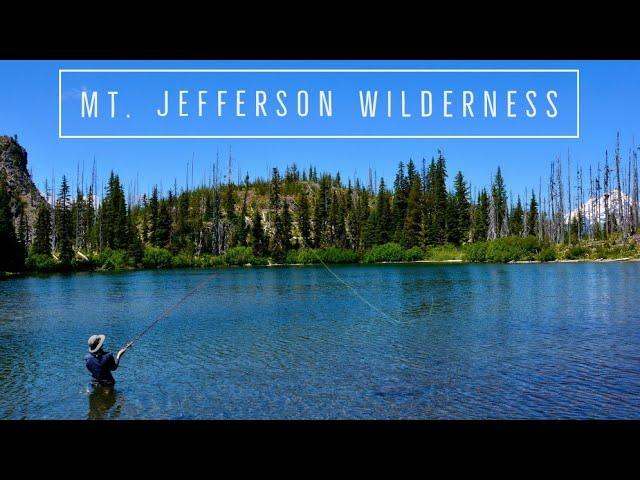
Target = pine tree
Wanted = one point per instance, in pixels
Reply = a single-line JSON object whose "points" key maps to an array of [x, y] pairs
{"points": [[480, 221], [154, 210], [499, 195], [304, 220], [516, 219], [183, 228], [135, 249], [90, 239], [384, 220], [145, 219], [258, 240], [459, 217], [114, 214], [163, 227], [440, 196], [321, 211], [229, 204], [286, 226], [241, 224], [399, 208], [42, 237], [64, 232], [532, 216], [413, 219], [11, 258], [23, 234]]}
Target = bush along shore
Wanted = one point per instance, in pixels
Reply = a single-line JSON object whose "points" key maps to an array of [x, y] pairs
{"points": [[503, 250]]}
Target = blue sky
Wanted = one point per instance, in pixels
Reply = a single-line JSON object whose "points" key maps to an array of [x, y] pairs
{"points": [[609, 101]]}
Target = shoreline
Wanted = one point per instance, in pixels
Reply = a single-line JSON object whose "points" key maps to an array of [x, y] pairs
{"points": [[14, 275]]}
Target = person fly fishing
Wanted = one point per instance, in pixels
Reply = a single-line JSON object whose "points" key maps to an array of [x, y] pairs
{"points": [[101, 363]]}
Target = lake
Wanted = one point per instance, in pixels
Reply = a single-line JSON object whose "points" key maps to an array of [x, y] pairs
{"points": [[454, 341]]}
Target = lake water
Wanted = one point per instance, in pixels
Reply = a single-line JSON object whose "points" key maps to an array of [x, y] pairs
{"points": [[460, 341]]}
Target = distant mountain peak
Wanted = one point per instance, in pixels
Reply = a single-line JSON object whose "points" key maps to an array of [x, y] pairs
{"points": [[594, 208]]}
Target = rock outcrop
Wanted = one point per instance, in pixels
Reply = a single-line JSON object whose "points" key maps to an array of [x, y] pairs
{"points": [[13, 164]]}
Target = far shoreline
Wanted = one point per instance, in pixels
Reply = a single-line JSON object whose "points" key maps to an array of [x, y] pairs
{"points": [[16, 275]]}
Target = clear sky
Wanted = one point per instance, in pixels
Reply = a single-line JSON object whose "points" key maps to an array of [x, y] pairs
{"points": [[609, 101]]}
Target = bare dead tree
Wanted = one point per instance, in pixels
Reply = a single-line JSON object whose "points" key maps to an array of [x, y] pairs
{"points": [[569, 195], [540, 209], [607, 216], [525, 225], [634, 196], [492, 231], [591, 204], [620, 210]]}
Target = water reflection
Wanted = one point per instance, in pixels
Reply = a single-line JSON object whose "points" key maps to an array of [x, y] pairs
{"points": [[105, 403]]}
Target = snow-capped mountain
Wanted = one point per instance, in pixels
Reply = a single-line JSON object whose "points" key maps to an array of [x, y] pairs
{"points": [[590, 208]]}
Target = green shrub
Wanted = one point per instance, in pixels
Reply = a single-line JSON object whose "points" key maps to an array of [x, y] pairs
{"points": [[476, 252], [112, 260], [389, 252], [239, 256], [444, 252], [547, 254], [613, 251], [413, 254], [155, 257], [80, 264], [41, 263], [576, 252], [327, 255], [502, 250], [182, 260]]}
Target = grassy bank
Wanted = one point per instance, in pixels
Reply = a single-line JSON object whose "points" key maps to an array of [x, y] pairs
{"points": [[504, 250]]}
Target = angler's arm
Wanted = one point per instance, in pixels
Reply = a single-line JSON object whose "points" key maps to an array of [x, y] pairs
{"points": [[120, 354]]}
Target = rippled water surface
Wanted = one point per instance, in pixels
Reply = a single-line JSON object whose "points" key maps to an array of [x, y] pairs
{"points": [[463, 341]]}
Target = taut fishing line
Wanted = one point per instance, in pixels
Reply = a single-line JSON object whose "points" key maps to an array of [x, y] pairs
{"points": [[356, 293]]}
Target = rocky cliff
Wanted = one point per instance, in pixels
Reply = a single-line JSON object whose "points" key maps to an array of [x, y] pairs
{"points": [[13, 164]]}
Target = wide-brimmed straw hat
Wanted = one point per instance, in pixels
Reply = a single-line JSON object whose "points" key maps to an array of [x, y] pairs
{"points": [[95, 343]]}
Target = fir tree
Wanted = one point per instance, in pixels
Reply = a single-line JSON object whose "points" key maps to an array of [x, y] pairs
{"points": [[413, 219], [64, 232], [516, 219], [321, 211], [440, 197], [11, 258], [499, 194], [304, 220], [383, 217], [480, 221], [532, 216], [135, 249], [241, 224], [163, 227], [183, 228], [258, 240], [23, 234], [286, 226], [114, 214], [42, 237], [154, 210], [399, 209], [459, 221]]}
